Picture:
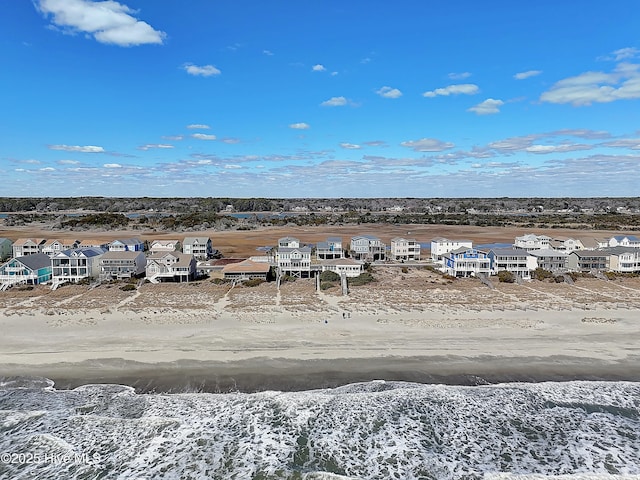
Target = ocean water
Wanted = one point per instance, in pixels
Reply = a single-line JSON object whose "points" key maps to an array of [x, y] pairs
{"points": [[373, 430]]}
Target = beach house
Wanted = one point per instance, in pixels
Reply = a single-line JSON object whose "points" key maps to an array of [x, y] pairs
{"points": [[27, 246], [532, 242], [76, 264], [171, 266], [246, 270], [120, 265], [347, 266], [624, 259], [440, 246], [330, 249], [466, 262], [621, 241], [515, 260], [200, 247], [552, 260], [588, 261], [566, 244], [405, 249], [55, 246], [159, 246], [127, 245], [292, 259], [5, 249], [31, 269], [367, 248]]}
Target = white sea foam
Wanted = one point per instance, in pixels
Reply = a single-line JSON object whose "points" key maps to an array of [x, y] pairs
{"points": [[374, 430]]}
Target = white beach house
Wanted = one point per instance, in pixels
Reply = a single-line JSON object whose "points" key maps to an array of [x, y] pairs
{"points": [[405, 249], [440, 246], [466, 262], [171, 266], [121, 265], [200, 247], [292, 259], [367, 248], [330, 249], [76, 264]]}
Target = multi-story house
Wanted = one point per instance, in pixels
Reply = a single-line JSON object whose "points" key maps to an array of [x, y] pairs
{"points": [[515, 260], [159, 246], [30, 269], [246, 270], [27, 246], [368, 248], [552, 260], [624, 259], [292, 259], [405, 249], [620, 241], [200, 247], [55, 246], [5, 249], [120, 265], [566, 244], [440, 246], [76, 264], [466, 262], [330, 249], [127, 245], [532, 242], [588, 261], [171, 266]]}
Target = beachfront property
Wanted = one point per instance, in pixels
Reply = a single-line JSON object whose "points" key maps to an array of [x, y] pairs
{"points": [[30, 269], [126, 245], [27, 246], [532, 242], [159, 246], [292, 259], [5, 249], [552, 260], [515, 260], [200, 247], [620, 241], [588, 261], [93, 243], [330, 249], [367, 248], [76, 264], [405, 249], [566, 244], [466, 262], [118, 265], [246, 270], [342, 266], [440, 246], [624, 259], [171, 266]]}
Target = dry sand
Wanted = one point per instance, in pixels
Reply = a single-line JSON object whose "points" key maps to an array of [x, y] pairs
{"points": [[411, 326]]}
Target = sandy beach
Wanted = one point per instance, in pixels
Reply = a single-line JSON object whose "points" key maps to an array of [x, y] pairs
{"points": [[406, 326]]}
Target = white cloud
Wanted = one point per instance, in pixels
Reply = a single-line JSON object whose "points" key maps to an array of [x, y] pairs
{"points": [[624, 53], [569, 147], [427, 145], [350, 146], [318, 68], [459, 76], [68, 162], [230, 140], [488, 107], [201, 71], [198, 126], [388, 92], [78, 148], [175, 138], [300, 126], [527, 74], [463, 88], [203, 136], [632, 143], [596, 87], [108, 21], [335, 102], [47, 169], [269, 53], [112, 165], [150, 146]]}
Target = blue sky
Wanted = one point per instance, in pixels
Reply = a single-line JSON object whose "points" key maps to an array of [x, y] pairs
{"points": [[320, 98]]}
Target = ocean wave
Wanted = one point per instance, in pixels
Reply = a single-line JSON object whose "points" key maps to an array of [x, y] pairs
{"points": [[370, 430]]}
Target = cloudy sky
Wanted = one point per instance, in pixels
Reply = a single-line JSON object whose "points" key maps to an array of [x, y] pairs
{"points": [[328, 98]]}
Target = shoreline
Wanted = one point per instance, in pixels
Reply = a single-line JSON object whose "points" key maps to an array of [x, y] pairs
{"points": [[279, 374]]}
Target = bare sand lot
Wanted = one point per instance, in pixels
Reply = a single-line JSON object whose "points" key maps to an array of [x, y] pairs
{"points": [[416, 325]]}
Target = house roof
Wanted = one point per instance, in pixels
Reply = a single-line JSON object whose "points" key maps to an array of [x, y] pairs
{"points": [[121, 255], [334, 239], [247, 266], [184, 259], [512, 252], [191, 240], [305, 249], [620, 250], [466, 249], [35, 261], [128, 241], [632, 238], [90, 242], [341, 262], [23, 241], [3, 240], [589, 253], [164, 242], [547, 252], [366, 237], [83, 251]]}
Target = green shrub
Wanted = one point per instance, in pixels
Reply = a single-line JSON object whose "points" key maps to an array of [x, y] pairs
{"points": [[405, 270], [558, 278], [253, 282], [505, 276], [361, 279], [541, 274], [327, 285], [128, 287], [329, 276]]}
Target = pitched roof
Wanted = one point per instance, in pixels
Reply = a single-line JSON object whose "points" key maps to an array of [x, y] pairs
{"points": [[547, 252], [35, 261], [247, 266], [513, 252], [196, 240], [341, 262], [111, 255]]}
